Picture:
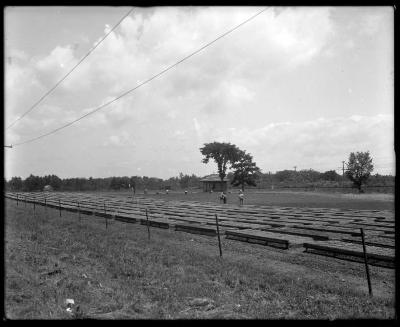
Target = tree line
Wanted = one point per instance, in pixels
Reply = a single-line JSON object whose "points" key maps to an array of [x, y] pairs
{"points": [[227, 156], [37, 183], [280, 179]]}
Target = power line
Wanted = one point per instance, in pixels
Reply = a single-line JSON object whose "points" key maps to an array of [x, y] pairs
{"points": [[141, 84], [62, 79]]}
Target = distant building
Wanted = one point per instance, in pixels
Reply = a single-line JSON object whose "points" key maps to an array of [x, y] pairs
{"points": [[213, 182], [47, 188]]}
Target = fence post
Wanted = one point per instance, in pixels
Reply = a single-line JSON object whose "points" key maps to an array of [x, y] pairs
{"points": [[59, 206], [79, 211], [104, 203], [148, 227], [366, 262], [219, 240], [17, 199], [25, 201]]}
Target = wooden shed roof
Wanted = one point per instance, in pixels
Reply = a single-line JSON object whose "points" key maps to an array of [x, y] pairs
{"points": [[213, 178]]}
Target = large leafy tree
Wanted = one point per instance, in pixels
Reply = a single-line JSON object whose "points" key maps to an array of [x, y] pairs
{"points": [[223, 154], [245, 171], [359, 168]]}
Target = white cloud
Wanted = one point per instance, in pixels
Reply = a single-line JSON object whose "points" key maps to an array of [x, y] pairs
{"points": [[122, 139], [60, 60], [197, 128], [149, 41], [316, 144]]}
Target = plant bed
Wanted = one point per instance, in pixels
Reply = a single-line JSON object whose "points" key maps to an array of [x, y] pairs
{"points": [[348, 251], [195, 229], [154, 223], [267, 238]]}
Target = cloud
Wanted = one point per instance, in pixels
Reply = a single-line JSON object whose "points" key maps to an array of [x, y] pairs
{"points": [[122, 139], [371, 22], [319, 144], [151, 40], [197, 127]]}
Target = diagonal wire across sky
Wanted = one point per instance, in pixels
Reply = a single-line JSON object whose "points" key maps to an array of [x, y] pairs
{"points": [[143, 83], [73, 68]]}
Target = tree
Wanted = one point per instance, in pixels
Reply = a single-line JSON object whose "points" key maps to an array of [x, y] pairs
{"points": [[285, 175], [359, 168], [33, 183], [245, 171], [115, 183], [55, 182], [331, 175], [309, 175], [15, 184], [223, 154], [184, 180]]}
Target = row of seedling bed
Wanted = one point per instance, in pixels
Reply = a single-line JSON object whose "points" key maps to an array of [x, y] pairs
{"points": [[313, 240]]}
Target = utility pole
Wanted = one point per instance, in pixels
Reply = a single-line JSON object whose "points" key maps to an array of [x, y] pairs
{"points": [[343, 169], [270, 180], [343, 173]]}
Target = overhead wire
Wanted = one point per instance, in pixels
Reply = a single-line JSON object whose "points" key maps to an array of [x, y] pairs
{"points": [[143, 83], [73, 68]]}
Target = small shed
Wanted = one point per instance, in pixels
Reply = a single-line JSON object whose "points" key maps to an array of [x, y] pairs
{"points": [[47, 188], [213, 182]]}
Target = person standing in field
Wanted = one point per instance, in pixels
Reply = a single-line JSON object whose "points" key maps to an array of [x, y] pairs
{"points": [[241, 197]]}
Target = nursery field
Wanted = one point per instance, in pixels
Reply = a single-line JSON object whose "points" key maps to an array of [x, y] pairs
{"points": [[369, 201], [157, 256]]}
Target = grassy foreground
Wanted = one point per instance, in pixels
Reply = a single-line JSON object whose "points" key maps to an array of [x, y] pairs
{"points": [[117, 273]]}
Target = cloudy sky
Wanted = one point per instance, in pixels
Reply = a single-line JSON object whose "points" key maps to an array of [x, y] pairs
{"points": [[295, 86]]}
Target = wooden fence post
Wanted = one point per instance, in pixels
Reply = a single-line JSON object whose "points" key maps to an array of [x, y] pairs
{"points": [[25, 201], [59, 206], [17, 199], [366, 262], [219, 240], [148, 227], [104, 203], [79, 211]]}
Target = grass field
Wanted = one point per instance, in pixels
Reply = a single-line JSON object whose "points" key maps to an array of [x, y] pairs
{"points": [[375, 201], [117, 273]]}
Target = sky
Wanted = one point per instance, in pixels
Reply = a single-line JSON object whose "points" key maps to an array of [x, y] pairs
{"points": [[295, 86]]}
